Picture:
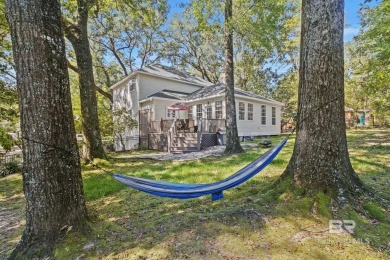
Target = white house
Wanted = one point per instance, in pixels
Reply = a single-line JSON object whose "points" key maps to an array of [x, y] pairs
{"points": [[148, 93]]}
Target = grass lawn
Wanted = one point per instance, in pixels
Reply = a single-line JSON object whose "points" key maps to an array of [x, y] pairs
{"points": [[254, 221]]}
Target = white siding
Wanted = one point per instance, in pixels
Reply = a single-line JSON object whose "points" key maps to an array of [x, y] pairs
{"points": [[254, 127], [146, 85], [149, 85]]}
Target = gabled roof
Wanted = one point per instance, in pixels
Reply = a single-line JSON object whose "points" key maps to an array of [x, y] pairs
{"points": [[166, 72], [168, 94], [219, 90]]}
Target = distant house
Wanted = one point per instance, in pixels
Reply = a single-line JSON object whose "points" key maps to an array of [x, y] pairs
{"points": [[149, 93], [350, 118], [358, 118]]}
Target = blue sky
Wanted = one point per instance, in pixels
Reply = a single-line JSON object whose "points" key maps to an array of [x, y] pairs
{"points": [[352, 21]]}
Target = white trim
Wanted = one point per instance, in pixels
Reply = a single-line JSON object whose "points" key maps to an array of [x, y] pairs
{"points": [[151, 99], [238, 95]]}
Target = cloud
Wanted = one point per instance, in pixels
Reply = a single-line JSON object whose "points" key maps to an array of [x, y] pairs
{"points": [[350, 32]]}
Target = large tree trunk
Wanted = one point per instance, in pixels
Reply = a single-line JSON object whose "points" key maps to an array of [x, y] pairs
{"points": [[232, 141], [78, 36], [320, 161], [51, 165]]}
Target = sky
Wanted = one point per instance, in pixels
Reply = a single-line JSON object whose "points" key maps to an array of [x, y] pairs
{"points": [[352, 20]]}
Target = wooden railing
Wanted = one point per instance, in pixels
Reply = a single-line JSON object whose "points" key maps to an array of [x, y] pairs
{"points": [[161, 126], [211, 125]]}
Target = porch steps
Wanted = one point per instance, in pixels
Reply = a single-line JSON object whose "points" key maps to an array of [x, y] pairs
{"points": [[184, 143]]}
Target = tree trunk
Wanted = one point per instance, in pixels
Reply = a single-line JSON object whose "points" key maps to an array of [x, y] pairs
{"points": [[51, 165], [232, 141], [320, 161], [78, 36]]}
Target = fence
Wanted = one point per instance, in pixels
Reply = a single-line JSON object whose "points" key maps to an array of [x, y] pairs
{"points": [[7, 158]]}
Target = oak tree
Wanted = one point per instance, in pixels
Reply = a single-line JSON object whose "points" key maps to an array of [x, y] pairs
{"points": [[320, 160], [51, 165]]}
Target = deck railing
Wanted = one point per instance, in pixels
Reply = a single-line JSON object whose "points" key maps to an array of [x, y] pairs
{"points": [[160, 126], [211, 125]]}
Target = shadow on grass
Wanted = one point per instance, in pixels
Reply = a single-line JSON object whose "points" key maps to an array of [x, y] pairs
{"points": [[255, 220]]}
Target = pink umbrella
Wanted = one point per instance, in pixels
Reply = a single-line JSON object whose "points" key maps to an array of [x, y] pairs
{"points": [[178, 106]]}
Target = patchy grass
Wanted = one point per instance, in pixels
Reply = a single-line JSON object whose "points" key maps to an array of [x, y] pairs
{"points": [[11, 212], [254, 221]]}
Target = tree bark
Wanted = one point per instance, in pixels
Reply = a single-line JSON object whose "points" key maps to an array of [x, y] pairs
{"points": [[232, 141], [320, 160], [51, 165], [78, 36]]}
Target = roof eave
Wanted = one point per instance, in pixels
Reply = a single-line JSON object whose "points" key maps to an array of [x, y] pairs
{"points": [[151, 99], [238, 95]]}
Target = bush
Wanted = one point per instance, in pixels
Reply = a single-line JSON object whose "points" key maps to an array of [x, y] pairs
{"points": [[9, 168]]}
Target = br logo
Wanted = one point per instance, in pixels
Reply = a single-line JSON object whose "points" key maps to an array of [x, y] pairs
{"points": [[337, 226]]}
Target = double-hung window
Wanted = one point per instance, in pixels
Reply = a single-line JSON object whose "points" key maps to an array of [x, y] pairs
{"points": [[218, 109], [241, 111], [263, 115], [250, 111], [273, 115], [189, 112], [199, 112], [208, 112]]}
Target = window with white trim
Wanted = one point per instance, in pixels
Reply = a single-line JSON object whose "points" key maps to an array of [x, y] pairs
{"points": [[199, 112], [263, 115], [189, 112], [241, 111], [171, 113], [132, 84], [250, 111], [208, 112], [273, 115], [218, 109]]}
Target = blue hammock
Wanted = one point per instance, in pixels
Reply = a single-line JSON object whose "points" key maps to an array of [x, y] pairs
{"points": [[187, 191]]}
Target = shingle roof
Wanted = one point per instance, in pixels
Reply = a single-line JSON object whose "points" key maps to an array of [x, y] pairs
{"points": [[167, 72], [213, 90], [219, 89], [172, 73], [169, 94]]}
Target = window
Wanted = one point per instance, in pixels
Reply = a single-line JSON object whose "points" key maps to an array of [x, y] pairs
{"points": [[199, 113], [241, 110], [208, 112], [263, 115], [218, 109], [132, 84], [171, 113], [250, 111], [189, 113], [273, 115]]}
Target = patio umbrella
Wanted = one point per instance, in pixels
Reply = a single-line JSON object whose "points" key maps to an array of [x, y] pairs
{"points": [[178, 106]]}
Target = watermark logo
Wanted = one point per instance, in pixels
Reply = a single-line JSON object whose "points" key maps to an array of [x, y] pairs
{"points": [[337, 226]]}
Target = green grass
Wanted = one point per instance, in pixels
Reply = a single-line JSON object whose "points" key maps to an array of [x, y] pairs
{"points": [[254, 221]]}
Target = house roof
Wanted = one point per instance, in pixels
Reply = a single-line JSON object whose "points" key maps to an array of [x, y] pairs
{"points": [[166, 72], [168, 94], [219, 90]]}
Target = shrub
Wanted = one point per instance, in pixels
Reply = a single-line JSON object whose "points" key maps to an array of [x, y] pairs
{"points": [[9, 168]]}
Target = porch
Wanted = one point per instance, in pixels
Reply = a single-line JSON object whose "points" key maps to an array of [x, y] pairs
{"points": [[180, 135]]}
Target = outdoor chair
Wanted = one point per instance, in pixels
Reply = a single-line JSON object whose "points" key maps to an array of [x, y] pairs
{"points": [[189, 126]]}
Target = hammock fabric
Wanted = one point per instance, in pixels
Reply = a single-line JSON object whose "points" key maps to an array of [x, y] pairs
{"points": [[187, 191]]}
